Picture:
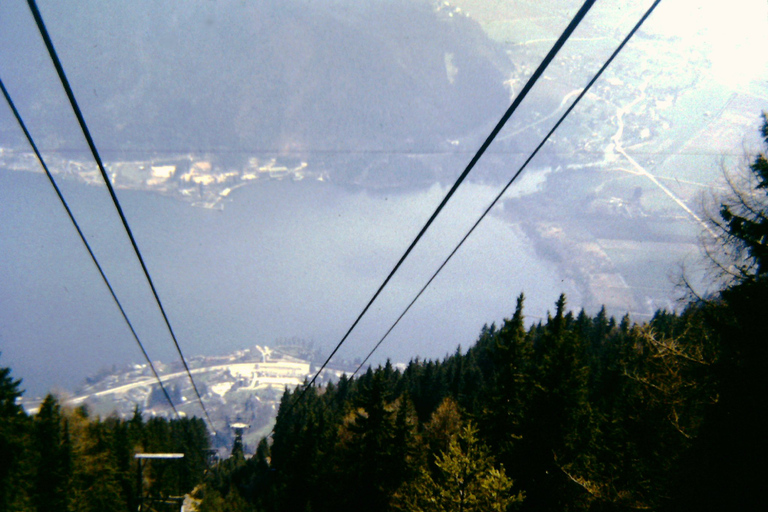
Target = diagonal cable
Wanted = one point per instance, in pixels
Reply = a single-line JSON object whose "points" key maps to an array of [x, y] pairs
{"points": [[512, 180], [100, 164], [85, 242], [520, 97]]}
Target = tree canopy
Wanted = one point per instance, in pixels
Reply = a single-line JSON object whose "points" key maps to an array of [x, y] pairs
{"points": [[62, 460]]}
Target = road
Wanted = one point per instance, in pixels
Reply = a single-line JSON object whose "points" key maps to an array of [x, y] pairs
{"points": [[616, 145]]}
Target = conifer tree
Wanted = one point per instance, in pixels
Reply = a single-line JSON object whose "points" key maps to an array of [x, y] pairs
{"points": [[369, 453], [442, 428], [725, 466], [556, 431], [742, 223], [15, 467], [510, 390], [465, 481], [52, 441], [95, 476]]}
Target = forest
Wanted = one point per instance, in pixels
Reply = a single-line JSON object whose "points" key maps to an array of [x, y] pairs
{"points": [[62, 459], [575, 412]]}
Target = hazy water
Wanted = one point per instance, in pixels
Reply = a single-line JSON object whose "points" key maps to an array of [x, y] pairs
{"points": [[282, 259]]}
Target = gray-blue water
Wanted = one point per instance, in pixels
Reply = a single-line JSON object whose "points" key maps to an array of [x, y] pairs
{"points": [[282, 259]]}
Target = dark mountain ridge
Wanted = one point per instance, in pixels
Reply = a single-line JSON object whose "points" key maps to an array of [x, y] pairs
{"points": [[289, 77]]}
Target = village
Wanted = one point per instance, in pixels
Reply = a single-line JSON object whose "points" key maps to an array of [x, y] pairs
{"points": [[242, 387], [195, 179]]}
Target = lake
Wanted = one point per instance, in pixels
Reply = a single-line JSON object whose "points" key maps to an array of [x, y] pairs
{"points": [[282, 259]]}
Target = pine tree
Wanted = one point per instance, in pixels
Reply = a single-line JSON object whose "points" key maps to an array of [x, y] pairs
{"points": [[14, 465], [370, 456], [443, 427], [725, 466], [465, 481], [726, 463], [742, 223], [96, 483], [51, 435], [510, 391], [552, 454]]}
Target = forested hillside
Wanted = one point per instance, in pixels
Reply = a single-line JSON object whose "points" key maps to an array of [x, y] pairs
{"points": [[577, 412], [574, 413]]}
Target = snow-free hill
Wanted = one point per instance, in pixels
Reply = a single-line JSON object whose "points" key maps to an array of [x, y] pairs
{"points": [[289, 76]]}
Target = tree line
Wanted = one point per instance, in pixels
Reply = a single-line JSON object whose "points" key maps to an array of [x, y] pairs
{"points": [[576, 412], [63, 460]]}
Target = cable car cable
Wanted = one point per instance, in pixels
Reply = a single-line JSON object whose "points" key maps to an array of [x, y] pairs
{"points": [[519, 171], [85, 242], [84, 127], [578, 17]]}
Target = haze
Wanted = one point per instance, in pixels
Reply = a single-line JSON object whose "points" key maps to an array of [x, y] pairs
{"points": [[385, 103]]}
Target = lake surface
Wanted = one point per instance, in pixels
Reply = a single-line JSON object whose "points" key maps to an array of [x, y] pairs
{"points": [[282, 259]]}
